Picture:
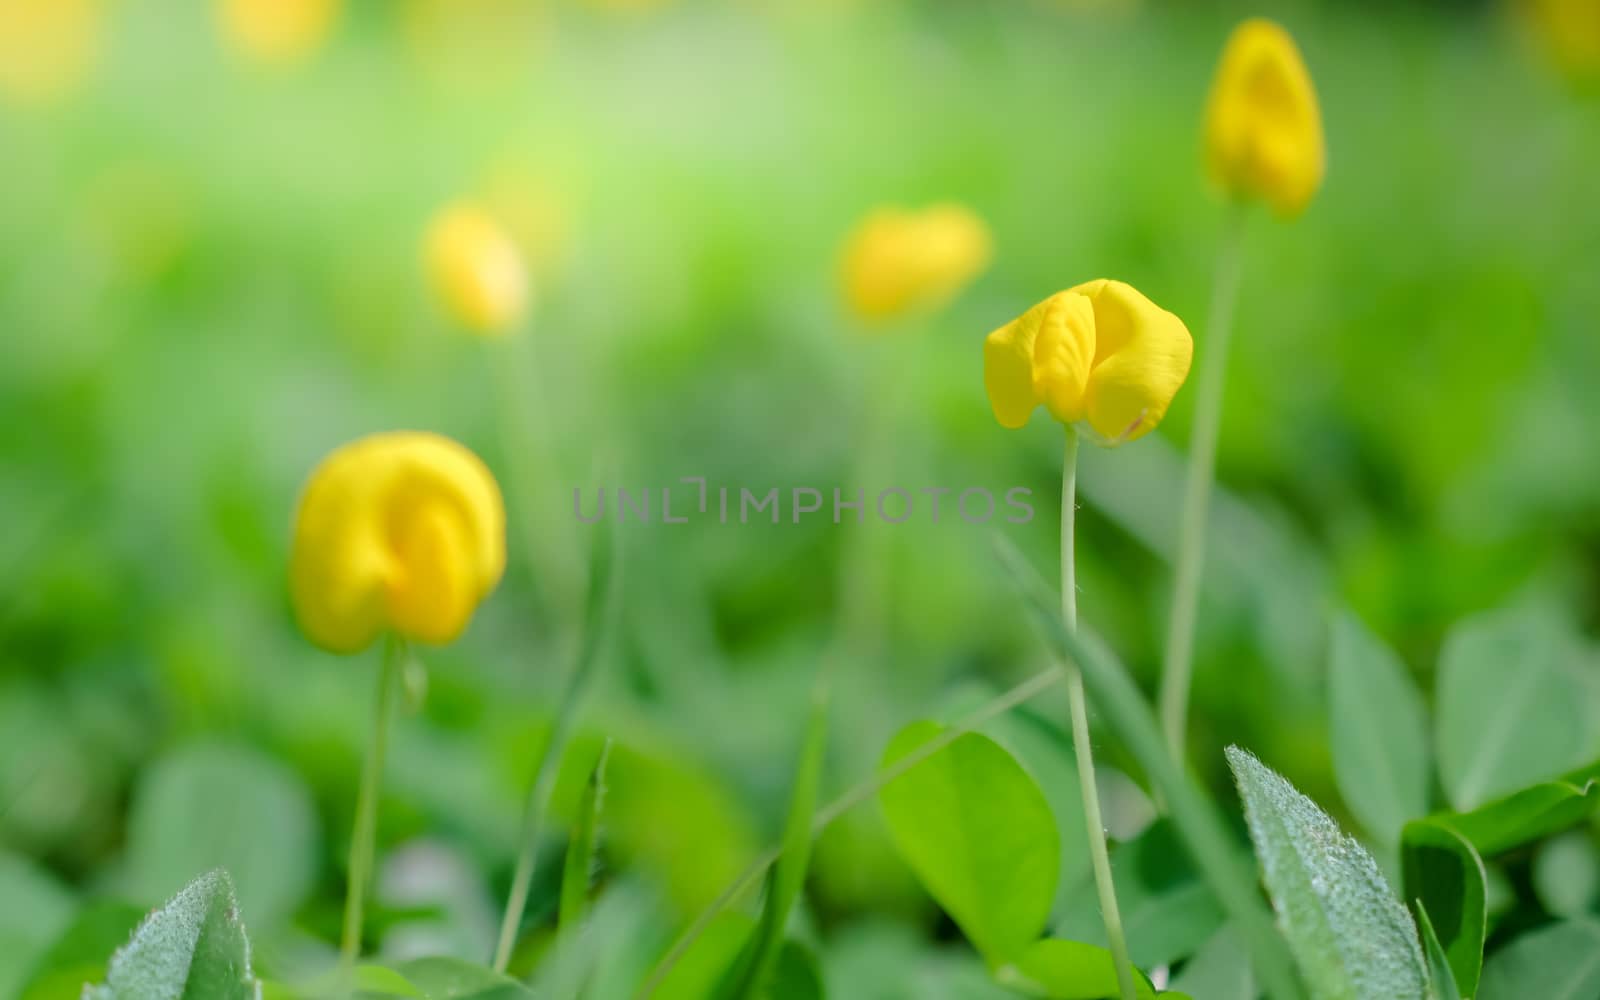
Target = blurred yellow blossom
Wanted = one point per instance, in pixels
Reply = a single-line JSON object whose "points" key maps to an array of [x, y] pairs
{"points": [[278, 32], [477, 270], [1263, 127], [897, 262], [401, 531], [1099, 356], [1569, 31], [47, 47]]}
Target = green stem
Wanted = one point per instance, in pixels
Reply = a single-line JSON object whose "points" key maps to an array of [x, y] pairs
{"points": [[1081, 746], [364, 836], [1178, 662], [538, 803]]}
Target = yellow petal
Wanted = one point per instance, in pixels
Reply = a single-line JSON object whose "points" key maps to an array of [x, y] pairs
{"points": [[898, 262], [1263, 127], [1142, 356], [402, 531], [278, 32], [477, 270], [48, 48], [1063, 355]]}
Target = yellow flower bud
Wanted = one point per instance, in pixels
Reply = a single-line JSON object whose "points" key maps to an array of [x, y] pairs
{"points": [[1263, 127], [477, 270], [278, 32], [47, 47], [402, 531], [897, 262], [1100, 356]]}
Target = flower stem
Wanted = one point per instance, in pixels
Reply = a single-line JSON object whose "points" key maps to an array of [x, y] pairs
{"points": [[363, 837], [1178, 662], [1081, 748]]}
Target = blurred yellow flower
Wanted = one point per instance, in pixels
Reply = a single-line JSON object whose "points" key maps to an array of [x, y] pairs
{"points": [[897, 262], [477, 270], [1569, 30], [1100, 356], [401, 531], [278, 32], [47, 47], [1263, 127]]}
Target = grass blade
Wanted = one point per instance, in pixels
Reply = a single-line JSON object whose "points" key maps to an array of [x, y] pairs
{"points": [[761, 954], [574, 905]]}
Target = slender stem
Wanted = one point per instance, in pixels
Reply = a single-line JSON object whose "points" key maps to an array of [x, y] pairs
{"points": [[364, 836], [863, 790], [1081, 746], [1178, 662], [538, 803]]}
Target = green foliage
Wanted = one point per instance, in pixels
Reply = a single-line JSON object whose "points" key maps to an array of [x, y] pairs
{"points": [[1067, 970], [1510, 708], [79, 955], [1444, 874], [1378, 729], [1441, 977], [1566, 875], [703, 969], [1351, 937], [979, 834], [192, 948], [749, 976], [1193, 815], [1558, 962], [582, 847], [218, 806], [1220, 970], [35, 909], [1168, 911]]}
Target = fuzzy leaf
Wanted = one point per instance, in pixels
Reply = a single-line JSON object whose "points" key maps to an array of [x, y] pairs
{"points": [[1352, 938], [193, 948]]}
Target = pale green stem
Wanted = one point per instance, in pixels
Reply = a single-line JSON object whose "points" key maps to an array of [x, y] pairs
{"points": [[364, 836], [1081, 747], [1178, 662], [538, 804]]}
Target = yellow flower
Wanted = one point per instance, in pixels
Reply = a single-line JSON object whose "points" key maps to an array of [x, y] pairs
{"points": [[477, 270], [47, 47], [278, 32], [402, 531], [897, 262], [1100, 356], [1569, 30], [1263, 128]]}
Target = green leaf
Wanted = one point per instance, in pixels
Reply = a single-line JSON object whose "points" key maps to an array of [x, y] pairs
{"points": [[80, 953], [1566, 875], [1167, 909], [34, 909], [1220, 970], [193, 948], [1558, 962], [1445, 874], [755, 967], [215, 806], [1532, 813], [1440, 975], [706, 964], [979, 834], [1510, 711], [1351, 936], [1067, 970], [1378, 732], [1118, 699], [575, 872], [454, 979]]}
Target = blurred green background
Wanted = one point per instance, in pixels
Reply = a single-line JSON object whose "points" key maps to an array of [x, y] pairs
{"points": [[210, 276]]}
